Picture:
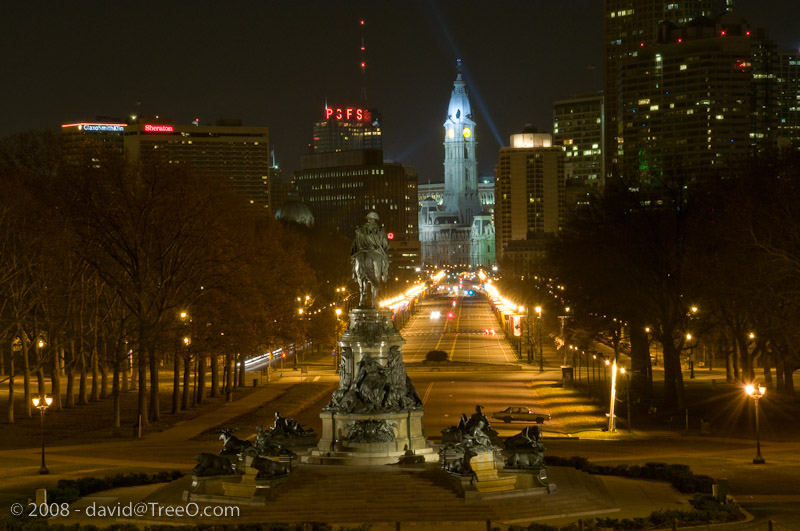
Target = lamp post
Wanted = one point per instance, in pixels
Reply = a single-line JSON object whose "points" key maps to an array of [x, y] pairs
{"points": [[563, 319], [691, 355], [627, 395], [528, 335], [336, 338], [518, 333], [612, 397], [42, 405], [538, 310], [751, 390]]}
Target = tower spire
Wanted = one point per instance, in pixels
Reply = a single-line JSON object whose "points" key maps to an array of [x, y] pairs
{"points": [[363, 65]]}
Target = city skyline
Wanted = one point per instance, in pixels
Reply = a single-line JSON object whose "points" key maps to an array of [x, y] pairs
{"points": [[276, 65]]}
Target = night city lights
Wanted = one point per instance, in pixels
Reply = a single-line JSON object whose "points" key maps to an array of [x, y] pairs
{"points": [[400, 265]]}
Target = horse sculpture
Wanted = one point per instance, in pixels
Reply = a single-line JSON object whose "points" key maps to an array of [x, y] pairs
{"points": [[370, 259]]}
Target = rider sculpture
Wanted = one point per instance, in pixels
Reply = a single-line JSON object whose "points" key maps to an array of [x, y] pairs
{"points": [[370, 259]]}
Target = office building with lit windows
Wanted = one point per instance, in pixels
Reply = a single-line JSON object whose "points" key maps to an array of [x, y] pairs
{"points": [[630, 26], [341, 188], [76, 137], [529, 199], [236, 154], [787, 81], [347, 129], [700, 97], [578, 129]]}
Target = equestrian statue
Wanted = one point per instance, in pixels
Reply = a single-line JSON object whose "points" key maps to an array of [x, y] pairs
{"points": [[370, 259]]}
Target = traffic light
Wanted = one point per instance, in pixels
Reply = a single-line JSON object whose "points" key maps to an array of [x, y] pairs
{"points": [[449, 315], [283, 355]]}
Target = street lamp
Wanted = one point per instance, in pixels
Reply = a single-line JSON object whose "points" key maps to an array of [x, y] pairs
{"points": [[563, 319], [756, 393], [337, 360], [613, 397], [538, 310], [627, 395], [691, 355], [42, 406]]}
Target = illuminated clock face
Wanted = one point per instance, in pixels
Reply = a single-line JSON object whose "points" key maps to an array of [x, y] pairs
{"points": [[467, 132], [450, 132]]}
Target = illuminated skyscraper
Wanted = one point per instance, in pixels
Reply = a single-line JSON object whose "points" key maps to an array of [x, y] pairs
{"points": [[701, 96], [238, 155], [347, 129], [629, 26], [578, 129], [530, 199], [341, 188]]}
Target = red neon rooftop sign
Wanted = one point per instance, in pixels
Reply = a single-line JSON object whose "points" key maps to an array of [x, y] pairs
{"points": [[149, 128], [348, 113]]}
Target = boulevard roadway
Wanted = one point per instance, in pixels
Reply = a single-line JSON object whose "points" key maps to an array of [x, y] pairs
{"points": [[463, 336]]}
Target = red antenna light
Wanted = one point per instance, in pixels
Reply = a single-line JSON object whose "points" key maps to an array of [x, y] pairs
{"points": [[362, 21]]}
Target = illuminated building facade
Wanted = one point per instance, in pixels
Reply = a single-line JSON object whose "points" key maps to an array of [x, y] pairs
{"points": [[76, 137], [341, 188], [702, 96], [530, 199], [578, 129], [237, 154], [787, 78], [459, 232], [630, 26], [435, 191], [347, 129]]}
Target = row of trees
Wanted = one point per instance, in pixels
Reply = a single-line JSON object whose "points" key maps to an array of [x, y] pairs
{"points": [[717, 259], [100, 257]]}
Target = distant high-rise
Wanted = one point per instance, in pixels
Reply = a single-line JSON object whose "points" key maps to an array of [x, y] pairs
{"points": [[76, 137], [341, 188], [235, 154], [628, 27], [787, 79], [347, 129], [459, 233], [699, 97], [578, 129], [530, 199]]}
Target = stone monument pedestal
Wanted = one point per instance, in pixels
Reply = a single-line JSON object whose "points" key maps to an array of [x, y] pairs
{"points": [[375, 416], [370, 438]]}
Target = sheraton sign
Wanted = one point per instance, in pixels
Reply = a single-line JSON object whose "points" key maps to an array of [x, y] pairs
{"points": [[148, 128]]}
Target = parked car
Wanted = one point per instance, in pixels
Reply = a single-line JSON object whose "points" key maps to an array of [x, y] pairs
{"points": [[520, 413]]}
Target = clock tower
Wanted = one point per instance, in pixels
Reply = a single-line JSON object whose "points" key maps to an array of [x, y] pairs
{"points": [[457, 232], [460, 163]]}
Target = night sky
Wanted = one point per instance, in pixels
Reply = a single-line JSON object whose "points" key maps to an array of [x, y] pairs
{"points": [[276, 63]]}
